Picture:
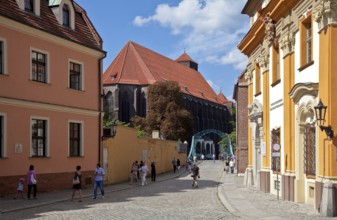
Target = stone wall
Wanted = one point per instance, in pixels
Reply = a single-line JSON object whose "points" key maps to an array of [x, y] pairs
{"points": [[125, 147]]}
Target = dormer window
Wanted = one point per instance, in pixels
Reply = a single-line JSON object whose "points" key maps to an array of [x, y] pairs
{"points": [[29, 5], [64, 12], [66, 15], [32, 6]]}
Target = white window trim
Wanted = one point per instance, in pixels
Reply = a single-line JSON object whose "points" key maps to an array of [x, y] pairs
{"points": [[82, 136], [37, 6], [71, 13], [48, 75], [48, 135], [82, 73], [4, 59], [4, 126], [58, 12]]}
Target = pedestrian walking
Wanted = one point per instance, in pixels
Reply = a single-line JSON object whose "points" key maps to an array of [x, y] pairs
{"points": [[213, 157], [138, 175], [31, 181], [99, 174], [153, 171], [174, 164], [189, 165], [134, 171], [195, 175], [19, 188], [77, 183], [227, 166], [178, 165], [143, 170], [231, 165]]}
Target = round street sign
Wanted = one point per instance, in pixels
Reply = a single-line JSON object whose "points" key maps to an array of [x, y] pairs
{"points": [[276, 147]]}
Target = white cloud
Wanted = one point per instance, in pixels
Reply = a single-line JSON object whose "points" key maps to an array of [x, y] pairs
{"points": [[211, 29]]}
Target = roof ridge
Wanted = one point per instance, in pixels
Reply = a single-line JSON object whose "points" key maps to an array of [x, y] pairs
{"points": [[146, 71]]}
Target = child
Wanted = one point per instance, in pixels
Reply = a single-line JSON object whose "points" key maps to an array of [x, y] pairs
{"points": [[19, 190]]}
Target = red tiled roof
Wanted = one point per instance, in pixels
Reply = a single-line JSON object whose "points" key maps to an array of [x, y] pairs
{"points": [[84, 33], [138, 65], [184, 57], [222, 98]]}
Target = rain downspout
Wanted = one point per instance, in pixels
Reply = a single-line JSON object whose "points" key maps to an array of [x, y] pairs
{"points": [[100, 106]]}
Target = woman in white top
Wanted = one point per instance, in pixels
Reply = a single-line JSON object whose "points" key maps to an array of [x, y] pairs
{"points": [[143, 170]]}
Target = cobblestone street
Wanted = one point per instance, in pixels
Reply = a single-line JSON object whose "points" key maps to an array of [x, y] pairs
{"points": [[170, 199], [219, 196]]}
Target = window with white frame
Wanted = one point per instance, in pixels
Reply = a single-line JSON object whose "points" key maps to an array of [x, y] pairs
{"points": [[75, 76], [39, 137], [39, 66], [75, 139], [31, 6], [306, 40]]}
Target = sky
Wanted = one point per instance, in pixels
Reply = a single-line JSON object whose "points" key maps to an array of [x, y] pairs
{"points": [[207, 30]]}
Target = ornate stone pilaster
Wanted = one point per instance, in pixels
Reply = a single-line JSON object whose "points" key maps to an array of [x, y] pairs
{"points": [[287, 43], [249, 74], [325, 13], [263, 61]]}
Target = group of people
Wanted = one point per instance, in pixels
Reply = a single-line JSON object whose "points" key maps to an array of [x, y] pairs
{"points": [[99, 174], [31, 181], [31, 184], [230, 164], [140, 170]]}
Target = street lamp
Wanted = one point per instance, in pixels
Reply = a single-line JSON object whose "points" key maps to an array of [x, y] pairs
{"points": [[320, 111]]}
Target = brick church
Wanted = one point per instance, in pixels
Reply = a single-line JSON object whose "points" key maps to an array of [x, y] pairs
{"points": [[126, 81]]}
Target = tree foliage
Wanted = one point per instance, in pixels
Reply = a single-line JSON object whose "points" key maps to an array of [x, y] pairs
{"points": [[166, 112]]}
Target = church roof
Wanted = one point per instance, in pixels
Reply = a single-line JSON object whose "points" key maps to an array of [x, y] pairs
{"points": [[185, 57], [222, 98], [137, 65]]}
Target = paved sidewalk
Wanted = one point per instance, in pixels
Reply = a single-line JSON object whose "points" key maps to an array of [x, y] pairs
{"points": [[8, 204], [250, 203]]}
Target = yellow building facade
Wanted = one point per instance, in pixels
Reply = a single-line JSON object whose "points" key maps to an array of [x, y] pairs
{"points": [[291, 46]]}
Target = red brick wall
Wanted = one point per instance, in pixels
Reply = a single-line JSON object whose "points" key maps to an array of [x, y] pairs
{"points": [[45, 182], [242, 125]]}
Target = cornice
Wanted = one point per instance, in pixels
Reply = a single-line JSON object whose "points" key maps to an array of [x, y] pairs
{"points": [[275, 9]]}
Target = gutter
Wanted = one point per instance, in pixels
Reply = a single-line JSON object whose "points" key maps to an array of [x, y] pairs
{"points": [[100, 107]]}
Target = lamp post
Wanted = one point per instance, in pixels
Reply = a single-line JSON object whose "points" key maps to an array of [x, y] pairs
{"points": [[320, 111], [327, 200]]}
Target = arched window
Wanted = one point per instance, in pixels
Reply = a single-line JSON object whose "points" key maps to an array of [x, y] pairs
{"points": [[142, 105], [309, 149], [108, 105], [66, 15], [125, 110]]}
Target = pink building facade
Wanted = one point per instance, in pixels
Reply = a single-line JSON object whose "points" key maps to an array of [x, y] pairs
{"points": [[50, 93]]}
